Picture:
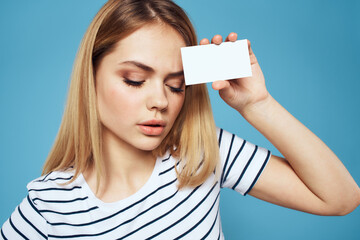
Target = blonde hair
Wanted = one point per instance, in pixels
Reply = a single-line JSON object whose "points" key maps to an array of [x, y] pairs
{"points": [[78, 144]]}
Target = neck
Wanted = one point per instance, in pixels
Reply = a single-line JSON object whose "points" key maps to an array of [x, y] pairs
{"points": [[122, 160], [126, 169]]}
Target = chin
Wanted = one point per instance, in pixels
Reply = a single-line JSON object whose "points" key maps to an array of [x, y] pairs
{"points": [[148, 149], [149, 145]]}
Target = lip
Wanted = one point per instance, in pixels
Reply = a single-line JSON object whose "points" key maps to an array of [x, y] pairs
{"points": [[153, 127]]}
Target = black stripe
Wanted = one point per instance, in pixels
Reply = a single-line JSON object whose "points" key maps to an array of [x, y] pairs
{"points": [[3, 235], [167, 170], [234, 160], [43, 179], [220, 136], [219, 236], [227, 159], [26, 220], [50, 189], [201, 220], [130, 220], [122, 210], [54, 179], [16, 230], [212, 226], [164, 160], [143, 212], [97, 234], [60, 201], [165, 229], [112, 229], [158, 218], [244, 170], [258, 174], [69, 213], [32, 205], [220, 228]]}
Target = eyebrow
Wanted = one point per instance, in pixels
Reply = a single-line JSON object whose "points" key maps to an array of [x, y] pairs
{"points": [[150, 69]]}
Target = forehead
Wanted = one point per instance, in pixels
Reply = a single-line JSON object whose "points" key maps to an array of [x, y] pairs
{"points": [[153, 44]]}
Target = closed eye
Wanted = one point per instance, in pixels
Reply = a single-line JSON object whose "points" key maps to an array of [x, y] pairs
{"points": [[138, 84], [133, 83], [175, 84], [175, 90]]}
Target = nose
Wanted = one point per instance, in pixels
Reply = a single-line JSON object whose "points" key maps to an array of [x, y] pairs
{"points": [[157, 99]]}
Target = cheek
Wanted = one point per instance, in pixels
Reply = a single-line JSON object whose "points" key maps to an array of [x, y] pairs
{"points": [[177, 103], [116, 104]]}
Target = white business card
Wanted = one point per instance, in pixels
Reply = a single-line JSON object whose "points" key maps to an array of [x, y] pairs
{"points": [[211, 62]]}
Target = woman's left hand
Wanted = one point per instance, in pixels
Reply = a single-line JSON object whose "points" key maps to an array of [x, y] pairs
{"points": [[310, 178], [242, 93]]}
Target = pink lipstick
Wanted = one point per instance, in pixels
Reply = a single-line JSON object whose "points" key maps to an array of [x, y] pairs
{"points": [[152, 127]]}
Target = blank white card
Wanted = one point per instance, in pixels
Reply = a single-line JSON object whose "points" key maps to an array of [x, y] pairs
{"points": [[209, 63]]}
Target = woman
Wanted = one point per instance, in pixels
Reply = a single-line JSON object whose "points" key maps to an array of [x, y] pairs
{"points": [[138, 155]]}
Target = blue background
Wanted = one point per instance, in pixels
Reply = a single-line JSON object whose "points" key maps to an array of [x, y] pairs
{"points": [[309, 53]]}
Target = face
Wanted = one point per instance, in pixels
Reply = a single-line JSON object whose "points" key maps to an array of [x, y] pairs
{"points": [[140, 87]]}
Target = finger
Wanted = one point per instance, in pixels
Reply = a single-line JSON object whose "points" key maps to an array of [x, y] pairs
{"points": [[217, 39], [204, 41], [249, 46], [253, 59], [218, 85], [232, 37]]}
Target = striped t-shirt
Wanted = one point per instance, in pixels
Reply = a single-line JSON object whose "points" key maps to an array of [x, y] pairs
{"points": [[157, 211]]}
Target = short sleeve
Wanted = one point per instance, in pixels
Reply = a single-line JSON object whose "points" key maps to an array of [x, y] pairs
{"points": [[26, 222], [241, 162]]}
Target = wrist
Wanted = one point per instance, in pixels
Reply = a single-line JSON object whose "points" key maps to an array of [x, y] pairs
{"points": [[263, 109]]}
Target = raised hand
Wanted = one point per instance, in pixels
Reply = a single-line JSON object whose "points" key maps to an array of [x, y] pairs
{"points": [[310, 178], [242, 93]]}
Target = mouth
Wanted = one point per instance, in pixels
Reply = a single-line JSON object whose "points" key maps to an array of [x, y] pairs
{"points": [[152, 127]]}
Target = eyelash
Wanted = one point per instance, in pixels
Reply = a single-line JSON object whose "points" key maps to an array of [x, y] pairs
{"points": [[137, 84], [132, 83]]}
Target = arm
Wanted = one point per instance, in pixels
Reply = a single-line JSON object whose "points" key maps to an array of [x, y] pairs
{"points": [[25, 222], [310, 178]]}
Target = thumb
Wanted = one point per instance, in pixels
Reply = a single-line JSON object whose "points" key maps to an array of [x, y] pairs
{"points": [[225, 90], [218, 85]]}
